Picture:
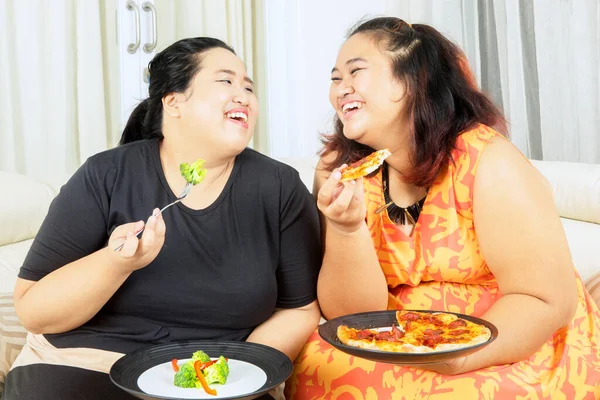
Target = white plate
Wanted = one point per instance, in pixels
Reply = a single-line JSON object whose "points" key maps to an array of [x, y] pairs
{"points": [[244, 378]]}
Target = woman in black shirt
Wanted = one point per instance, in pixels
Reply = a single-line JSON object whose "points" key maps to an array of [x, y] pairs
{"points": [[238, 259]]}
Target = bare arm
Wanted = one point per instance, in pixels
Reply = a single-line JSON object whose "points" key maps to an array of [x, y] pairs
{"points": [[71, 295], [350, 279], [288, 329], [524, 245]]}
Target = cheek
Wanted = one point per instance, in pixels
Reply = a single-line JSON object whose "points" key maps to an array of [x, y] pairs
{"points": [[203, 111], [377, 93], [254, 105], [367, 87], [209, 105]]}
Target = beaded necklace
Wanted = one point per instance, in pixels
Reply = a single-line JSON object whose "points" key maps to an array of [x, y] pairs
{"points": [[403, 215]]}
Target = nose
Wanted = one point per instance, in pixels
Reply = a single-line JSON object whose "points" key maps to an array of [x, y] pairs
{"points": [[345, 88], [241, 97]]}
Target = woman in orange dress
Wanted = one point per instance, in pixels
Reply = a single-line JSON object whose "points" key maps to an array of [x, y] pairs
{"points": [[467, 226]]}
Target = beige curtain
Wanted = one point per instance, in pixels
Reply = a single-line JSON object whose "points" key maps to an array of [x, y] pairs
{"points": [[59, 73], [52, 102]]}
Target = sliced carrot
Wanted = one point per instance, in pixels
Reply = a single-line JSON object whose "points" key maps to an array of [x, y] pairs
{"points": [[175, 366], [200, 376], [207, 364]]}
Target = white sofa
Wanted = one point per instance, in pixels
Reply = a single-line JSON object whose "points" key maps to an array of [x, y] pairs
{"points": [[24, 203]]}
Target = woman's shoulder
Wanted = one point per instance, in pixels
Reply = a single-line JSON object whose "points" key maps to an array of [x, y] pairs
{"points": [[120, 162], [259, 167], [502, 158], [484, 152], [476, 138], [464, 166], [470, 145], [131, 151]]}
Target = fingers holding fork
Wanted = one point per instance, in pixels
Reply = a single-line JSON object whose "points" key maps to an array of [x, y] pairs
{"points": [[130, 238]]}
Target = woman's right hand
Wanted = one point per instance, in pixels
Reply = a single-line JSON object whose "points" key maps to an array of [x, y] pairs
{"points": [[342, 204], [137, 253]]}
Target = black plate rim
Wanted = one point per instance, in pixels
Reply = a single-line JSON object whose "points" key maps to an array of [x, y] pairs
{"points": [[268, 386], [397, 355]]}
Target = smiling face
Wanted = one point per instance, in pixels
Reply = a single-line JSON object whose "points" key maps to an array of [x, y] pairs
{"points": [[366, 96], [219, 109]]}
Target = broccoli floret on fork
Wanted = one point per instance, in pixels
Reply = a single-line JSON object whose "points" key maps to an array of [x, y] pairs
{"points": [[194, 173]]}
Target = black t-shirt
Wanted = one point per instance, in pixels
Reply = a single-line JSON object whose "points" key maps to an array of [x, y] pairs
{"points": [[222, 270]]}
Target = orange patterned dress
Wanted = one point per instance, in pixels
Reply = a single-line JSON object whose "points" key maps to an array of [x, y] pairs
{"points": [[440, 266]]}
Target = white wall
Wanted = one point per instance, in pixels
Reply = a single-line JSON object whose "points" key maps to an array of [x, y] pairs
{"points": [[302, 41]]}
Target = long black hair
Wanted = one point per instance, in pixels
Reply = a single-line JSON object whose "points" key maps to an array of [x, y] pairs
{"points": [[170, 71]]}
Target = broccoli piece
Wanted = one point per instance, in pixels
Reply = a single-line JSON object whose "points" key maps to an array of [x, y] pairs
{"points": [[194, 173], [223, 360], [199, 356], [186, 376], [218, 372]]}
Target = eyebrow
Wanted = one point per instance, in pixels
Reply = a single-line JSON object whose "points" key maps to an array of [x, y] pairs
{"points": [[350, 61], [230, 72]]}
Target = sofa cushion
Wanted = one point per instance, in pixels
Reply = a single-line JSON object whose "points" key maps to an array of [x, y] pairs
{"points": [[12, 336], [593, 287], [576, 188], [584, 240], [24, 204], [11, 259], [305, 167]]}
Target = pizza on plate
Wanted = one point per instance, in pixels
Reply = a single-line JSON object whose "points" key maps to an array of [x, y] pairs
{"points": [[418, 332], [364, 166]]}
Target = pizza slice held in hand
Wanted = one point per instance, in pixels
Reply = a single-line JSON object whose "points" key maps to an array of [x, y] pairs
{"points": [[364, 166]]}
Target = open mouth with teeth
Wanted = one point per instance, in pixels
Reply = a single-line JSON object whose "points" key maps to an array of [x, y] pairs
{"points": [[350, 108], [239, 117]]}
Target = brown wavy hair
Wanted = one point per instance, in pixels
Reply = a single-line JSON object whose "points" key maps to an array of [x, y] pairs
{"points": [[443, 98]]}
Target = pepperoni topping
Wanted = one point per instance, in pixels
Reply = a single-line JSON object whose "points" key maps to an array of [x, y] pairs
{"points": [[364, 334], [458, 332], [457, 324], [410, 317], [384, 336], [431, 342], [433, 333], [397, 333], [432, 320], [357, 163]]}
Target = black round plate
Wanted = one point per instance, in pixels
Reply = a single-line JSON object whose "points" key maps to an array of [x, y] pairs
{"points": [[383, 319], [126, 371]]}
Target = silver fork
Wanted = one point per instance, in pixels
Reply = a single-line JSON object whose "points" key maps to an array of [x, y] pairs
{"points": [[182, 195]]}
